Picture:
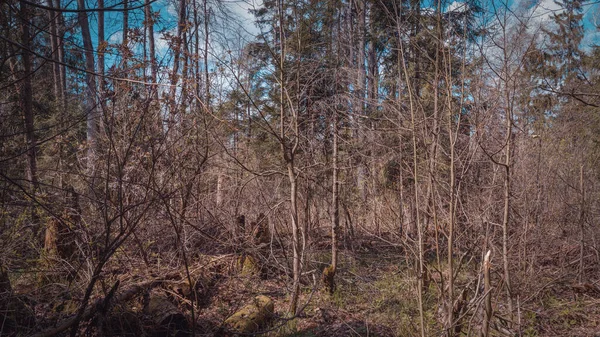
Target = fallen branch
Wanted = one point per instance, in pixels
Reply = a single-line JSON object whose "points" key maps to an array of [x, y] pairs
{"points": [[99, 304]]}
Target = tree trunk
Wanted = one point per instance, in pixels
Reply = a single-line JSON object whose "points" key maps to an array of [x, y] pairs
{"points": [[507, 199], [360, 94], [487, 315], [26, 98], [125, 39], [206, 39], [581, 225], [91, 110], [181, 25], [59, 75], [288, 152], [54, 48], [297, 251], [26, 105], [417, 217], [149, 18], [102, 45], [59, 23], [335, 223]]}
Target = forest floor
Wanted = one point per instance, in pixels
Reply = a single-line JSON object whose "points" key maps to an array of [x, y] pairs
{"points": [[375, 296]]}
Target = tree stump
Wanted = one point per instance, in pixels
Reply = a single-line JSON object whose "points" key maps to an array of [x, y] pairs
{"points": [[329, 279], [251, 317], [248, 265]]}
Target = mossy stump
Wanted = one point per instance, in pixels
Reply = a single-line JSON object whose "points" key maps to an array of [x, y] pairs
{"points": [[248, 265], [329, 279], [251, 317]]}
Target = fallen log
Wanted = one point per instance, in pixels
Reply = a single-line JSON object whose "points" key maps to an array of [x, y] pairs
{"points": [[167, 318], [100, 304], [251, 317], [15, 315]]}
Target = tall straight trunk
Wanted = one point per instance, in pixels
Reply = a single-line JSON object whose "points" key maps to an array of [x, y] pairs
{"points": [[289, 151], [57, 80], [103, 44], [350, 20], [335, 223], [59, 23], [415, 48], [184, 74], [433, 149], [90, 100], [452, 207], [581, 225], [54, 48], [487, 314], [452, 138], [399, 88], [181, 23], [360, 53], [206, 42], [149, 18], [360, 91], [197, 73], [125, 41], [435, 129], [372, 92], [26, 97], [297, 250], [421, 266], [125, 54], [507, 199]]}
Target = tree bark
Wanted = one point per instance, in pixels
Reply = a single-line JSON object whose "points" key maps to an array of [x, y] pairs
{"points": [[26, 97], [360, 94], [181, 26], [417, 218], [335, 223], [581, 225], [487, 316], [54, 48], [91, 109], [507, 199], [288, 151], [149, 18]]}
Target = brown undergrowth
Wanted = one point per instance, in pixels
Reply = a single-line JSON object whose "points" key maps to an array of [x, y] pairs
{"points": [[375, 295]]}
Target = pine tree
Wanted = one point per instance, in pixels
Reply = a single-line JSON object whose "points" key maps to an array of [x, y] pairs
{"points": [[563, 41]]}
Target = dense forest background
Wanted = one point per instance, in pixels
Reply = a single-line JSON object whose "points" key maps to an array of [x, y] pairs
{"points": [[387, 168]]}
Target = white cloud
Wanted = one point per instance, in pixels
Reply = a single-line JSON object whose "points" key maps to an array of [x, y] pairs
{"points": [[458, 7], [161, 44], [590, 39], [537, 14], [171, 10], [543, 12], [242, 10], [116, 37]]}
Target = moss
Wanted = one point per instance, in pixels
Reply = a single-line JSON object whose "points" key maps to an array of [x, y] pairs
{"points": [[252, 316], [329, 279], [248, 265]]}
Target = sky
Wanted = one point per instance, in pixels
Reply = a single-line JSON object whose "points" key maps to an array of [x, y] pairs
{"points": [[538, 12], [541, 12]]}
